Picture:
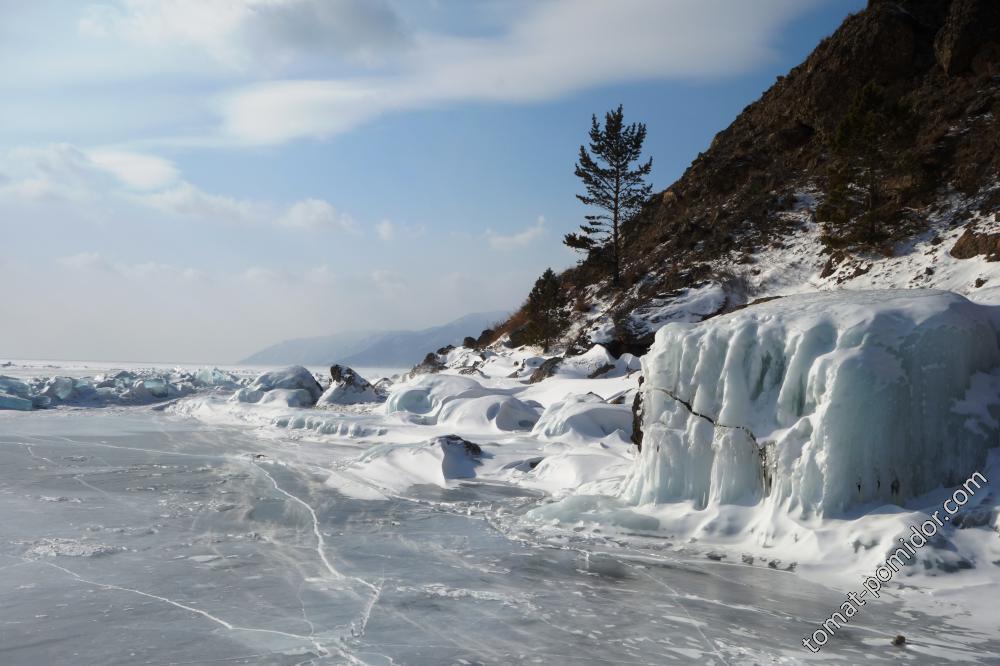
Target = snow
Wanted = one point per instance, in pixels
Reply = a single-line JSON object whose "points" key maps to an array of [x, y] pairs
{"points": [[826, 400]]}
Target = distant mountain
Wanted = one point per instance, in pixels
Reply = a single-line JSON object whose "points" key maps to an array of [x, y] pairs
{"points": [[374, 348]]}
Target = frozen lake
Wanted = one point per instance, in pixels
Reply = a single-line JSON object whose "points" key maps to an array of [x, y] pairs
{"points": [[135, 537]]}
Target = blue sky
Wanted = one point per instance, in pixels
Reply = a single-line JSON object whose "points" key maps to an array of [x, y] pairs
{"points": [[190, 180]]}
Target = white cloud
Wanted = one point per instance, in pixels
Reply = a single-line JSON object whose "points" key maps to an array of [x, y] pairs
{"points": [[388, 281], [388, 231], [321, 275], [316, 214], [137, 170], [56, 173], [260, 275], [556, 48], [94, 261], [84, 261], [186, 199], [247, 34], [520, 239], [61, 171]]}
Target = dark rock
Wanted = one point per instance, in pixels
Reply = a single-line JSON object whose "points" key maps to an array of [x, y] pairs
{"points": [[545, 370], [971, 25], [431, 364], [485, 338], [469, 342], [979, 516], [972, 244], [454, 441], [637, 416], [383, 386], [899, 640], [603, 370]]}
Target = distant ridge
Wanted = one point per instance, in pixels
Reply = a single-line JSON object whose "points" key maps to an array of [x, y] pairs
{"points": [[374, 348]]}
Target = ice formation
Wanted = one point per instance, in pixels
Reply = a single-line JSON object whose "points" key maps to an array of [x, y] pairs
{"points": [[293, 386], [817, 402]]}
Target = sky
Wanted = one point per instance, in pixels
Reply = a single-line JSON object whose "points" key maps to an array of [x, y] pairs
{"points": [[193, 180]]}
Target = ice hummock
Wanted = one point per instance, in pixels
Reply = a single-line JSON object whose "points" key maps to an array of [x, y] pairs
{"points": [[293, 386], [817, 402]]}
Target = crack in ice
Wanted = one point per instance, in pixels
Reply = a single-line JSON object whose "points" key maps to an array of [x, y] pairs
{"points": [[208, 616], [694, 412], [320, 540]]}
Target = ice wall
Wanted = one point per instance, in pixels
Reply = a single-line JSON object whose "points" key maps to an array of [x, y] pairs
{"points": [[816, 402]]}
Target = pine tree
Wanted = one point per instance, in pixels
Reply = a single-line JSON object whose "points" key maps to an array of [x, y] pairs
{"points": [[612, 185], [546, 309]]}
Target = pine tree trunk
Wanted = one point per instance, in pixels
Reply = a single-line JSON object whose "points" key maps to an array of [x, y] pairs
{"points": [[616, 275]]}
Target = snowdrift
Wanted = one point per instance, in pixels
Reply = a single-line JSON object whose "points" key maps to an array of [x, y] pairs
{"points": [[818, 402]]}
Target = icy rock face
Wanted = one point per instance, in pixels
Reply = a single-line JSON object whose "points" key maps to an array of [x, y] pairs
{"points": [[288, 380], [348, 388], [816, 402]]}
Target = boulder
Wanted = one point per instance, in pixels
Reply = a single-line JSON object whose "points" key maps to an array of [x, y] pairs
{"points": [[348, 388], [545, 370]]}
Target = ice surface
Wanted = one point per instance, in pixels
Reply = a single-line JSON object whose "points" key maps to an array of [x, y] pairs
{"points": [[818, 402], [185, 544]]}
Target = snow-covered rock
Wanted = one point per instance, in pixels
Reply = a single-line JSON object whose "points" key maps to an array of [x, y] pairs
{"points": [[426, 393], [438, 461], [816, 402], [348, 388], [489, 412], [583, 417]]}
